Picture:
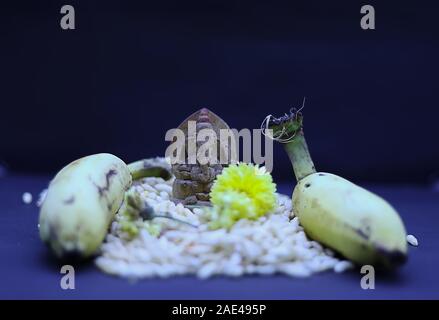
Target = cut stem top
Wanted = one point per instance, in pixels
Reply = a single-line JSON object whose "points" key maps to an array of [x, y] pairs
{"points": [[289, 130]]}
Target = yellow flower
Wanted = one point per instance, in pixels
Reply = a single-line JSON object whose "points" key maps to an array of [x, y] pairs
{"points": [[242, 191]]}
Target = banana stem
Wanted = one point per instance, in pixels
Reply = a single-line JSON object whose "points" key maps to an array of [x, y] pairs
{"points": [[288, 130], [148, 168], [172, 218], [147, 212], [298, 152]]}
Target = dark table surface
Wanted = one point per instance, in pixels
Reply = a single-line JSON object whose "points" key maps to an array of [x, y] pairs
{"points": [[27, 271]]}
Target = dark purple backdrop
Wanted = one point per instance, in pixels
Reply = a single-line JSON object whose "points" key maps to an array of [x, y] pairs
{"points": [[133, 69]]}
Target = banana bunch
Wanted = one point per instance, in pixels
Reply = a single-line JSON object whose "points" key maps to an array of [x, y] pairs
{"points": [[83, 198], [357, 223]]}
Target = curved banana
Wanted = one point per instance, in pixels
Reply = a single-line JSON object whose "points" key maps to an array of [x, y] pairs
{"points": [[347, 218], [80, 203], [357, 223], [83, 198]]}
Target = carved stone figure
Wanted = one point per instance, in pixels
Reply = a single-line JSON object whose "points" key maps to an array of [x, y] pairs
{"points": [[193, 181]]}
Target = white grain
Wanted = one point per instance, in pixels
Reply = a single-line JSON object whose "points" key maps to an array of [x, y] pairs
{"points": [[27, 198], [342, 266], [411, 239], [274, 243]]}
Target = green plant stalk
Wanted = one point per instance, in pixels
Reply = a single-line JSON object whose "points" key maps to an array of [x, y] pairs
{"points": [[289, 130], [298, 152]]}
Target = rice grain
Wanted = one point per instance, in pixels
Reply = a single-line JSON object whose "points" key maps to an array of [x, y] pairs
{"points": [[274, 243]]}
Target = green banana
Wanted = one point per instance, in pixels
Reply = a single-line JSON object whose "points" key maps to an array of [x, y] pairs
{"points": [[82, 199], [357, 223]]}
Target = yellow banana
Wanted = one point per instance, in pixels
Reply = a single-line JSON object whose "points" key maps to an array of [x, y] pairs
{"points": [[357, 223], [80, 203], [334, 211], [82, 199]]}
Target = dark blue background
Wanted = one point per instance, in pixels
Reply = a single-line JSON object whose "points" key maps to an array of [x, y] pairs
{"points": [[133, 69]]}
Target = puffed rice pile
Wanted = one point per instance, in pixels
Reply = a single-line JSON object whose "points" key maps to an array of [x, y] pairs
{"points": [[272, 244]]}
